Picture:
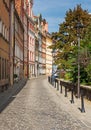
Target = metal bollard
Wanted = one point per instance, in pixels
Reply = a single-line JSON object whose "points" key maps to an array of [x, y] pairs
{"points": [[48, 79], [57, 85], [82, 102], [53, 83], [65, 91], [60, 88], [72, 95]]}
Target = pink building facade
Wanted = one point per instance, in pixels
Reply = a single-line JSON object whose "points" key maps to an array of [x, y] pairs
{"points": [[31, 39]]}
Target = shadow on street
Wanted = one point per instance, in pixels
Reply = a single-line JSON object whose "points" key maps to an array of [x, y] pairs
{"points": [[9, 97]]}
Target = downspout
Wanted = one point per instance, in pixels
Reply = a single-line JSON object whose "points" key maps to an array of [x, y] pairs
{"points": [[27, 50], [14, 42], [22, 18], [11, 40], [23, 54]]}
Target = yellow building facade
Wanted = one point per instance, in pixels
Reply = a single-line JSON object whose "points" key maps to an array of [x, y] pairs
{"points": [[48, 54]]}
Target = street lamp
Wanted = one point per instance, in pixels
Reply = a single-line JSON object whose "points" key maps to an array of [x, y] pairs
{"points": [[78, 26]]}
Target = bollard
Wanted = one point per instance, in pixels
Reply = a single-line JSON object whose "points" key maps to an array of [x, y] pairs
{"points": [[52, 80], [60, 88], [53, 83], [72, 95], [82, 102], [57, 85], [65, 91], [48, 79]]}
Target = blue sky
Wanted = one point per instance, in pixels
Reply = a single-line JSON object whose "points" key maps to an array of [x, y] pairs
{"points": [[54, 10]]}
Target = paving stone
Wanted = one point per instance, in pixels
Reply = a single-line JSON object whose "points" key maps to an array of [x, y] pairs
{"points": [[37, 107]]}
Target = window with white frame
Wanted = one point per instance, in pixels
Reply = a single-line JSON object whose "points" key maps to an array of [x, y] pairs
{"points": [[4, 31]]}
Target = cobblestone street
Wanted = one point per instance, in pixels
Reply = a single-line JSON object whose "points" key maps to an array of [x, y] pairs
{"points": [[37, 107]]}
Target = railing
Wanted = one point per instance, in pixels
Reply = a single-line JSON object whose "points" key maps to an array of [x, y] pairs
{"points": [[85, 91]]}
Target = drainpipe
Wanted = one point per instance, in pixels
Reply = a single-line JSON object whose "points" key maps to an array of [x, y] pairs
{"points": [[23, 54], [11, 40], [27, 50]]}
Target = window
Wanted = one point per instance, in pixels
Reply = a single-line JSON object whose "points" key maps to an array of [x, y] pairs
{"points": [[6, 2], [16, 25], [30, 56], [5, 68], [4, 71], [4, 31], [2, 68]]}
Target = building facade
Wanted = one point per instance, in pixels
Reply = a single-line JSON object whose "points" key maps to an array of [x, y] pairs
{"points": [[24, 42], [43, 55], [18, 48], [44, 26], [38, 45], [49, 59], [31, 39], [4, 43], [22, 9]]}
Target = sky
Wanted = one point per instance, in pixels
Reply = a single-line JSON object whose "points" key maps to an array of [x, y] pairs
{"points": [[54, 10]]}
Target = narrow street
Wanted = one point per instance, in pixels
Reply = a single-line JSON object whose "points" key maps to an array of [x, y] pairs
{"points": [[36, 107]]}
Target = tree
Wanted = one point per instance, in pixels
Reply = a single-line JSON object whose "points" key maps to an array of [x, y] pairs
{"points": [[86, 54], [66, 38]]}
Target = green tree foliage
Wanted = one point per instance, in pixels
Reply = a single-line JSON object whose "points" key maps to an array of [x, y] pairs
{"points": [[86, 54], [67, 45]]}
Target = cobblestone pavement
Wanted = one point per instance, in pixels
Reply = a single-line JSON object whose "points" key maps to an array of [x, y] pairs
{"points": [[36, 107]]}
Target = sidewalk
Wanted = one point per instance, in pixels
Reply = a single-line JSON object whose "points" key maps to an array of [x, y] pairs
{"points": [[6, 95], [64, 102], [74, 109], [11, 91]]}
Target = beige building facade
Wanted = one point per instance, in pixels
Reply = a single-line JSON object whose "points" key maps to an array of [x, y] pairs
{"points": [[48, 55]]}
